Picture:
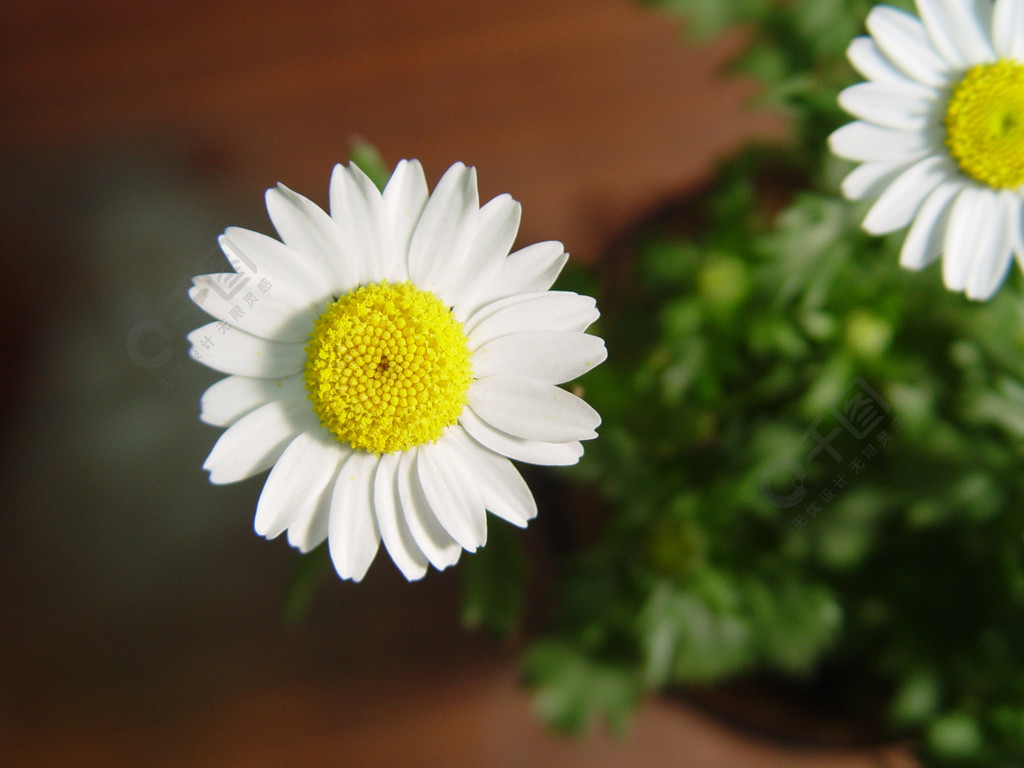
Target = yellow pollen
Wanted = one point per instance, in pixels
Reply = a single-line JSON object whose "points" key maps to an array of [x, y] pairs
{"points": [[985, 124], [388, 367]]}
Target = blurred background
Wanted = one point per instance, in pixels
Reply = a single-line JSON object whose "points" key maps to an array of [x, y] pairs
{"points": [[142, 617]]}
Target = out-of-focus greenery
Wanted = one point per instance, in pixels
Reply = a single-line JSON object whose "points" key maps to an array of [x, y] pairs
{"points": [[811, 460], [811, 465]]}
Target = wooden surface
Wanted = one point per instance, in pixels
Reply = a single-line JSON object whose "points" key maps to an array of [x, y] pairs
{"points": [[141, 621], [588, 112]]}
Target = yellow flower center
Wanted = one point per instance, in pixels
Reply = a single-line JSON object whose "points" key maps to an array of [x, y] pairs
{"points": [[388, 367], [985, 124]]}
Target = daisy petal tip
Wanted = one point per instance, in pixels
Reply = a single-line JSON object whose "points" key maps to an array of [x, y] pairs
{"points": [[280, 197], [847, 190], [413, 573], [261, 525], [873, 227], [912, 263], [197, 293], [444, 565], [979, 295], [833, 144], [216, 477], [352, 570], [361, 176], [408, 164]]}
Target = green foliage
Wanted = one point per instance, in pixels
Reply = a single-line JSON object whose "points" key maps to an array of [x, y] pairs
{"points": [[306, 577], [493, 582], [733, 543], [571, 688], [752, 524]]}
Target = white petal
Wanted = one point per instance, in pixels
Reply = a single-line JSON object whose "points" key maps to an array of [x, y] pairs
{"points": [[1008, 29], [453, 494], [532, 409], [404, 197], [528, 270], [965, 235], [225, 348], [1015, 222], [958, 29], [352, 533], [225, 402], [310, 530], [394, 531], [553, 310], [432, 539], [988, 274], [262, 257], [268, 314], [994, 249], [305, 227], [898, 204], [924, 240], [503, 489], [903, 40], [869, 180], [497, 226], [530, 451], [297, 481], [254, 442], [551, 356], [445, 232], [361, 216], [905, 108], [533, 268], [863, 141], [867, 59]]}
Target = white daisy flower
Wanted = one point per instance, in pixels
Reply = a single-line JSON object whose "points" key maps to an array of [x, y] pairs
{"points": [[386, 361], [940, 135]]}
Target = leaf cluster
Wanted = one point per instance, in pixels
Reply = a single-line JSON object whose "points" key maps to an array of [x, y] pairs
{"points": [[732, 543]]}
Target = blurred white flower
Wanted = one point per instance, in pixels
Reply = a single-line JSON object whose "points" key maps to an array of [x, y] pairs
{"points": [[940, 135], [386, 361]]}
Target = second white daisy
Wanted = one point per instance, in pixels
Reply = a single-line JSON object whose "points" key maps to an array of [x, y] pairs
{"points": [[386, 361], [940, 135]]}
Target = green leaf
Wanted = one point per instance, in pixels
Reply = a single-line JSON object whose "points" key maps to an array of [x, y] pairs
{"points": [[794, 622], [917, 699], [494, 578], [685, 639], [368, 159], [955, 736], [572, 690], [305, 579]]}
